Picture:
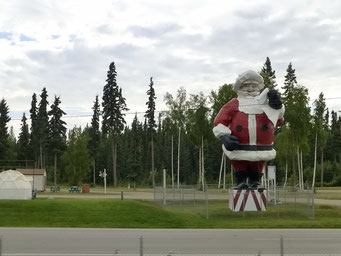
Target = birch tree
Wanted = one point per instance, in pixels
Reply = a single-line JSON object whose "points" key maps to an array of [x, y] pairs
{"points": [[177, 112], [198, 129], [319, 130], [297, 116]]}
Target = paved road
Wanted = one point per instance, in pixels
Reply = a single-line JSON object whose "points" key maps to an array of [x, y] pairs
{"points": [[190, 242], [150, 196]]}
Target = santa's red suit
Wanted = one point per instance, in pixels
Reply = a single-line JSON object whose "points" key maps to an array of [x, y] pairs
{"points": [[252, 122]]}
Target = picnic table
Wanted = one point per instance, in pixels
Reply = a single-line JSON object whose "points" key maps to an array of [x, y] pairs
{"points": [[74, 189], [57, 188]]}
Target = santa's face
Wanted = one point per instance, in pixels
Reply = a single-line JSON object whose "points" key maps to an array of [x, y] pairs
{"points": [[249, 88]]}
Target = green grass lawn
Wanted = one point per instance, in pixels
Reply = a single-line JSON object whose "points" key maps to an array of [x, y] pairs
{"points": [[143, 214]]}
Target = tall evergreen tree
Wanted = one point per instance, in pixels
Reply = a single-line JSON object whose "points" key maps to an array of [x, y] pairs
{"points": [[268, 75], [136, 150], [94, 136], [4, 135], [150, 116], [12, 147], [113, 117], [334, 139], [57, 133], [34, 135], [42, 126], [290, 82], [24, 150]]}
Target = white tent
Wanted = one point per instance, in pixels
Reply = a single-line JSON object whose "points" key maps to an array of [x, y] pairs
{"points": [[14, 185]]}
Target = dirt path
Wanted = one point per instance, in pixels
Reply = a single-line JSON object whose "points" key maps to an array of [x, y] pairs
{"points": [[328, 202]]}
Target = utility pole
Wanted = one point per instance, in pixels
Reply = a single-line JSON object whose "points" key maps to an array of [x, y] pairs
{"points": [[104, 176]]}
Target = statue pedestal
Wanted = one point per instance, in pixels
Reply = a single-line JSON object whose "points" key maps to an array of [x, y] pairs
{"points": [[247, 200]]}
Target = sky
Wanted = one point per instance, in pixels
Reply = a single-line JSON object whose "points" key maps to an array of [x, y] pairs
{"points": [[68, 45]]}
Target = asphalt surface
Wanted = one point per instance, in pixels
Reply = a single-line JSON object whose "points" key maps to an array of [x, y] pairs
{"points": [[150, 196], [189, 242]]}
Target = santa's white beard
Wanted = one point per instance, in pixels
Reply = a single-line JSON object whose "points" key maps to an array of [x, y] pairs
{"points": [[242, 94]]}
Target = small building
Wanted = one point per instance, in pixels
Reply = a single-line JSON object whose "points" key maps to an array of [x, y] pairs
{"points": [[37, 176]]}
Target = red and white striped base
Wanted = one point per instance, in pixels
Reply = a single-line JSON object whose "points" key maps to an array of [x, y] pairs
{"points": [[247, 200]]}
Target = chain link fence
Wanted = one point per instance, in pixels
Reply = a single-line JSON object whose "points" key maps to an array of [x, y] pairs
{"points": [[300, 201], [196, 199], [190, 198]]}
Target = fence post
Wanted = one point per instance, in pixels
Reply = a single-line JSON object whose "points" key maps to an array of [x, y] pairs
{"points": [[164, 187], [206, 200], [0, 245], [281, 246], [121, 195], [141, 246], [313, 203]]}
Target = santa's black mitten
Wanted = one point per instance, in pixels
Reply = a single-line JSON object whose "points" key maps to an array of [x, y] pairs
{"points": [[230, 142], [275, 100]]}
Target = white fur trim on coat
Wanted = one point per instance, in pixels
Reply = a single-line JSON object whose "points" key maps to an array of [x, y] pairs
{"points": [[221, 130], [252, 156]]}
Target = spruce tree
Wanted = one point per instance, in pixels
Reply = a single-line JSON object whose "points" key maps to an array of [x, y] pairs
{"points": [[4, 135], [334, 140], [136, 150], [268, 75], [150, 116], [34, 135], [290, 95], [42, 127], [56, 133], [94, 136], [12, 147], [24, 150], [113, 117], [290, 82]]}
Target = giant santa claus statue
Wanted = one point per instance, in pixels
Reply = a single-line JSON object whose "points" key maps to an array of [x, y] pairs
{"points": [[246, 124]]}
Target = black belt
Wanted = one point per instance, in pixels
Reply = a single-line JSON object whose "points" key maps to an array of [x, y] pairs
{"points": [[255, 147]]}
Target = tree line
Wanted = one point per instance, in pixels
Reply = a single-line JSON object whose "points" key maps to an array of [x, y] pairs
{"points": [[178, 139]]}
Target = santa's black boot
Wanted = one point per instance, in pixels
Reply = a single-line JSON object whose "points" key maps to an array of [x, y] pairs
{"points": [[254, 179], [240, 178]]}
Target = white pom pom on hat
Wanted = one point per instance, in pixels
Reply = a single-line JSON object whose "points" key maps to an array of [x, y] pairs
{"points": [[248, 76]]}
